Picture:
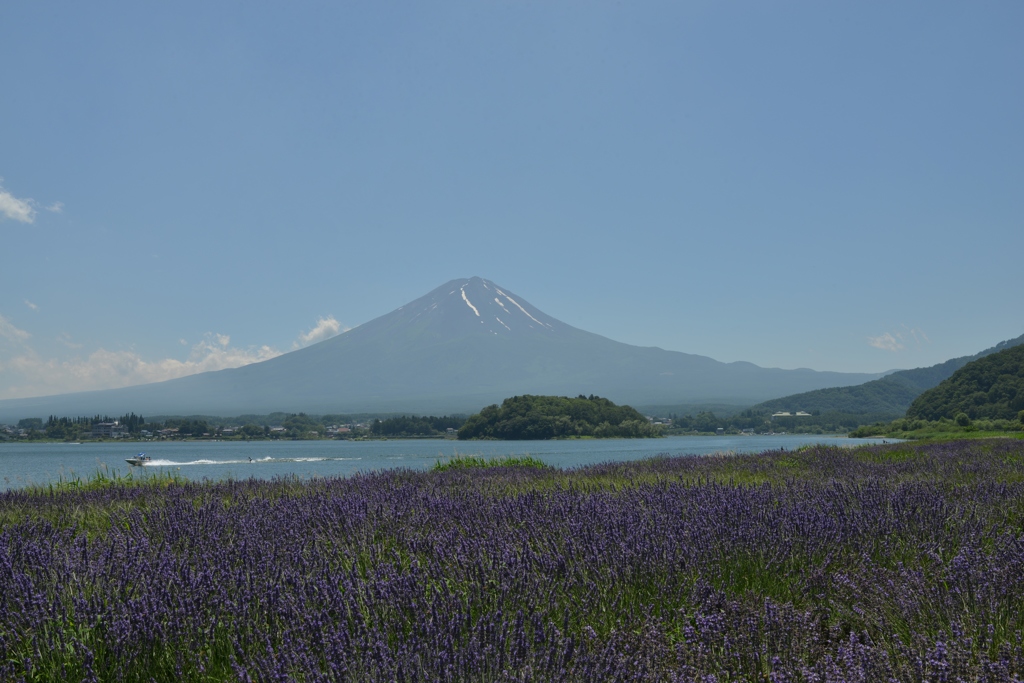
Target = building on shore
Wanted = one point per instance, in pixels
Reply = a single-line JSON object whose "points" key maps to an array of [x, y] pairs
{"points": [[108, 430]]}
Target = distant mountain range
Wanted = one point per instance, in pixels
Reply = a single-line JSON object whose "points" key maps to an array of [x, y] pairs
{"points": [[467, 344], [882, 399]]}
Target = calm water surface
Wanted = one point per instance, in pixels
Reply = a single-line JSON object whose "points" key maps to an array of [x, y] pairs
{"points": [[25, 464]]}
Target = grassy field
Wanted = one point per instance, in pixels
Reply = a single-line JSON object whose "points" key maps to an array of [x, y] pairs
{"points": [[901, 562]]}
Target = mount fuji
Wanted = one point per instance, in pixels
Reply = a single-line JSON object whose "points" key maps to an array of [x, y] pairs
{"points": [[466, 344]]}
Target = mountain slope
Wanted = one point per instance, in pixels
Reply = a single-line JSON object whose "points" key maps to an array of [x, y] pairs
{"points": [[466, 344], [885, 398], [988, 388]]}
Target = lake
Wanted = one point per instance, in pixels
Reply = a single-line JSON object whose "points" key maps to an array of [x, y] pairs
{"points": [[22, 464]]}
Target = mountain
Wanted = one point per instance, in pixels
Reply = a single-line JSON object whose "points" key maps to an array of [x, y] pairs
{"points": [[467, 344], [988, 388], [882, 399]]}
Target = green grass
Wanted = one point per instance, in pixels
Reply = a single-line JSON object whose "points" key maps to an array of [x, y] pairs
{"points": [[467, 461], [926, 435], [104, 478]]}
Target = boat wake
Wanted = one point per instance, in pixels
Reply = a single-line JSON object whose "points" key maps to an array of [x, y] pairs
{"points": [[253, 461]]}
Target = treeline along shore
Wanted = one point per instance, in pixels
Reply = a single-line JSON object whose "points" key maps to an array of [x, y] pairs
{"points": [[298, 426], [901, 562], [519, 417]]}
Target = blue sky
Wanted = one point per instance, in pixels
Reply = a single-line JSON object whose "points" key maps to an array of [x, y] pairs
{"points": [[192, 185]]}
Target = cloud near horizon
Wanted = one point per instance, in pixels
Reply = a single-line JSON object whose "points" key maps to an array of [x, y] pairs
{"points": [[888, 341], [103, 369], [325, 328], [26, 374]]}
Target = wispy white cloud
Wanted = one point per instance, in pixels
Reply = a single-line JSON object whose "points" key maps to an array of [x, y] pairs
{"points": [[886, 342], [917, 335], [897, 341], [22, 210], [65, 339], [16, 209], [11, 333], [31, 305], [103, 369], [325, 328]]}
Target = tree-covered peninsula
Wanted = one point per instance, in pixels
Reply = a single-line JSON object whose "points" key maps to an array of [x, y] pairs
{"points": [[557, 417]]}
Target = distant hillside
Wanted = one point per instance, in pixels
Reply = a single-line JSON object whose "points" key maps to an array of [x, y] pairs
{"points": [[989, 388], [552, 417], [882, 399]]}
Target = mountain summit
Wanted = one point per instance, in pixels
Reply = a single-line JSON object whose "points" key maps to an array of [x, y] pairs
{"points": [[472, 308], [466, 344]]}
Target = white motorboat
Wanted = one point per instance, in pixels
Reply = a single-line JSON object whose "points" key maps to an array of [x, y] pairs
{"points": [[139, 460]]}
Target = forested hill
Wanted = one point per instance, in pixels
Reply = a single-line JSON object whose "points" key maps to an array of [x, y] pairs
{"points": [[989, 388], [552, 417], [883, 399]]}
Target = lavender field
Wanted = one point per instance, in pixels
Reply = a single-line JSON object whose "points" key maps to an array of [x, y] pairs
{"points": [[881, 563]]}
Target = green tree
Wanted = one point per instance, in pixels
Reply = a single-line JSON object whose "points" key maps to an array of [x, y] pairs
{"points": [[301, 426], [551, 417], [252, 431]]}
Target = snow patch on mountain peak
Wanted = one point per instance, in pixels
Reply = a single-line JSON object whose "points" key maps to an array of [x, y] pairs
{"points": [[516, 304], [466, 299]]}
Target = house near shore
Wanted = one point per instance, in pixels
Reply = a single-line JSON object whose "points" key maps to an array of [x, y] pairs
{"points": [[108, 430]]}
